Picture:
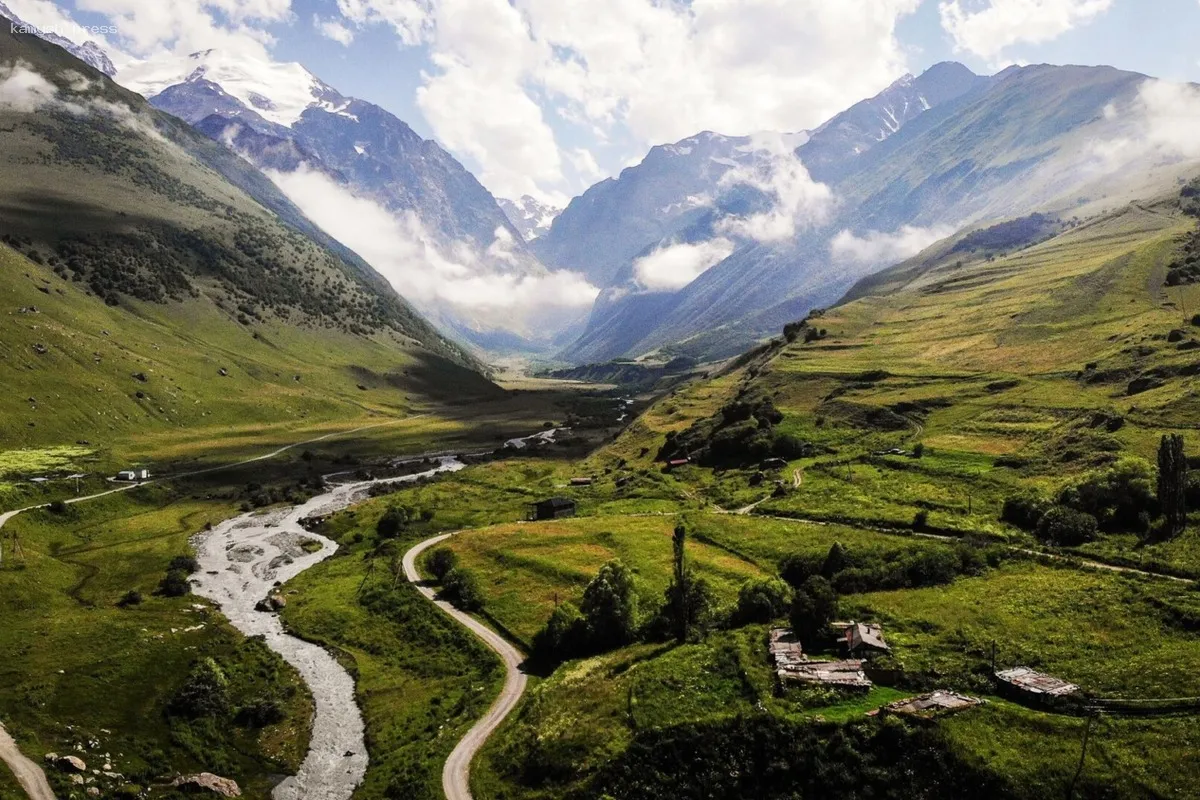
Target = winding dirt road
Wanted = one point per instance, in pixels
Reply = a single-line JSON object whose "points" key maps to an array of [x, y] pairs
{"points": [[456, 774]]}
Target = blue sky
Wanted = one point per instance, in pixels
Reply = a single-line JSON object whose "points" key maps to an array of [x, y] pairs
{"points": [[547, 96]]}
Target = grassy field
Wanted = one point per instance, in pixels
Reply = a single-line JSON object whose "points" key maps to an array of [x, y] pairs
{"points": [[526, 569]]}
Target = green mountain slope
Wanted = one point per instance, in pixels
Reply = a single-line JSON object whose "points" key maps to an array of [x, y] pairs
{"points": [[132, 246]]}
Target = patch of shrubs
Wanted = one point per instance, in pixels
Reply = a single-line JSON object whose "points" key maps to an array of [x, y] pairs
{"points": [[855, 572], [769, 758], [1119, 498], [742, 432], [176, 583], [440, 562], [205, 692], [461, 587], [131, 598], [1065, 527]]}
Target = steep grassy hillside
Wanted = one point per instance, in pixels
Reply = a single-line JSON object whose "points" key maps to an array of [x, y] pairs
{"points": [[132, 203]]}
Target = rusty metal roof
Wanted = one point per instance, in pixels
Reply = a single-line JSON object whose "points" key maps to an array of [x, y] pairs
{"points": [[1030, 680]]}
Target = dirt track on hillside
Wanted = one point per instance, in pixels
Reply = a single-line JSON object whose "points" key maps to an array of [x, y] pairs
{"points": [[456, 781]]}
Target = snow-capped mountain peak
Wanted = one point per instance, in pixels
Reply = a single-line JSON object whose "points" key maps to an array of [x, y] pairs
{"points": [[529, 215], [89, 52], [279, 92]]}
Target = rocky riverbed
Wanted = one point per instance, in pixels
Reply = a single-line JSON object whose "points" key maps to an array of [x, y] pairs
{"points": [[241, 562]]}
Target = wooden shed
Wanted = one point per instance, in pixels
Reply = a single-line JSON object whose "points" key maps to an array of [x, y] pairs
{"points": [[552, 508]]}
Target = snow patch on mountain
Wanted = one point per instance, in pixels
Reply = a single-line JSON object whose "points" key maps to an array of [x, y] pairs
{"points": [[279, 92], [531, 217]]}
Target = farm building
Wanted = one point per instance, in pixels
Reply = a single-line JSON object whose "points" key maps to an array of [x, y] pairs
{"points": [[931, 705], [860, 636], [553, 508], [792, 666], [133, 474], [1028, 683], [676, 463], [847, 674]]}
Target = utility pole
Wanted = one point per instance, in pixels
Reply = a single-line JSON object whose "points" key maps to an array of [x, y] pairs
{"points": [[993, 656], [1087, 732]]}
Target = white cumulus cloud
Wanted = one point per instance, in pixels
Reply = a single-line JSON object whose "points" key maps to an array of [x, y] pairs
{"points": [[876, 248], [673, 266], [1160, 124], [24, 90], [334, 30], [798, 200], [987, 31], [631, 73]]}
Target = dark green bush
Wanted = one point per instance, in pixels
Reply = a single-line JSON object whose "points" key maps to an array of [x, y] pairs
{"points": [[440, 562], [205, 692], [1024, 511], [1065, 527], [461, 587], [762, 600]]}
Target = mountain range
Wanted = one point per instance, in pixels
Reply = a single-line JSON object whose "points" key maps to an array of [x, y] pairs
{"points": [[704, 247], [928, 156]]}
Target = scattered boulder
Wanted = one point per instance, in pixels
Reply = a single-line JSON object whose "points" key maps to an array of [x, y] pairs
{"points": [[50, 758], [207, 782], [140, 376], [71, 764], [40, 349], [223, 372], [271, 603], [1176, 336]]}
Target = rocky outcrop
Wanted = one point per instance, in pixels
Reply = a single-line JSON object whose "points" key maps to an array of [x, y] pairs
{"points": [[207, 783]]}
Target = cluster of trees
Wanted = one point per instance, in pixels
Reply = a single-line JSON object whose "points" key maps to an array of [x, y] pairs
{"points": [[805, 328], [1125, 497], [458, 584], [743, 431], [807, 595], [608, 615], [1009, 235], [856, 572], [396, 519]]}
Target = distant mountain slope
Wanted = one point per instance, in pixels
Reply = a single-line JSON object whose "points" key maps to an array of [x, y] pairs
{"points": [[989, 149], [376, 153], [602, 230], [133, 207]]}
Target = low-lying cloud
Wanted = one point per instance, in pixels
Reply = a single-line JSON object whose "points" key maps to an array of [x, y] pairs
{"points": [[876, 248], [24, 90], [798, 201], [1161, 124], [673, 266], [489, 283]]}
